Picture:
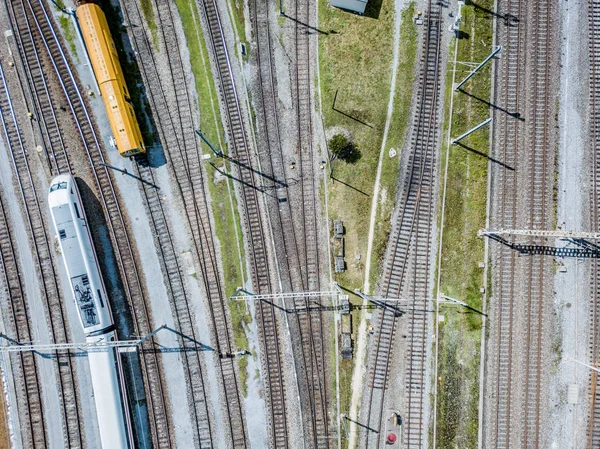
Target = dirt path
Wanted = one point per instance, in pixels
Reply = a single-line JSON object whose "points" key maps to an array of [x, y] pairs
{"points": [[359, 369]]}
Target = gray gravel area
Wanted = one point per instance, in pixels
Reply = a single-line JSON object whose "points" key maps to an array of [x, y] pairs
{"points": [[568, 422], [39, 326]]}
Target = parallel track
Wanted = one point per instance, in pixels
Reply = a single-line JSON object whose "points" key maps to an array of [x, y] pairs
{"points": [[33, 432], [240, 150], [171, 101], [522, 195], [124, 253], [310, 324], [292, 210], [407, 270], [35, 63], [49, 280]]}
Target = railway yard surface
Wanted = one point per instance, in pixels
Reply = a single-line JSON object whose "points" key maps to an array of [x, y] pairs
{"points": [[322, 240]]}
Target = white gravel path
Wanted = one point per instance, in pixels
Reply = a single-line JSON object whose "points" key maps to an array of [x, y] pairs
{"points": [[361, 346], [568, 422]]}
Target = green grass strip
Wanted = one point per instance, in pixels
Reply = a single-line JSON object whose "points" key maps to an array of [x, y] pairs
{"points": [[459, 335]]}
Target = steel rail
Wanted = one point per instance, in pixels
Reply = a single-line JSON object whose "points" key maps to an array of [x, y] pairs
{"points": [[260, 270], [32, 428], [124, 253]]}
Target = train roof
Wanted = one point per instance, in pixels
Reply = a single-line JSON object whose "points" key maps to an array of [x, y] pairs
{"points": [[111, 80]]}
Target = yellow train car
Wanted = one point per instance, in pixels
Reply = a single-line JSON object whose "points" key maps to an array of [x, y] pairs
{"points": [[107, 69]]}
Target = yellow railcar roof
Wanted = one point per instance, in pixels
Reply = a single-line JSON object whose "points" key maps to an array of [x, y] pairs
{"points": [[122, 119], [107, 69], [100, 44]]}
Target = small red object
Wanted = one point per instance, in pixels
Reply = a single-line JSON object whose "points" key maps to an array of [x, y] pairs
{"points": [[391, 438]]}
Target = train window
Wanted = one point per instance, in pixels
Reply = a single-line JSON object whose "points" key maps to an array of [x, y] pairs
{"points": [[58, 186], [62, 234], [100, 298], [76, 210]]}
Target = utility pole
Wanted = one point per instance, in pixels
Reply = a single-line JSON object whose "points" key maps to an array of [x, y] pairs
{"points": [[471, 131], [539, 233], [479, 67], [217, 152]]}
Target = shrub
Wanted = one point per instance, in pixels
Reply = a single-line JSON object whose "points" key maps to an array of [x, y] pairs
{"points": [[342, 148]]}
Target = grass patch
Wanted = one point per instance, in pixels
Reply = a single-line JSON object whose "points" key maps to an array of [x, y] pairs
{"points": [[148, 11], [224, 204], [239, 21], [361, 75], [459, 335], [68, 32]]}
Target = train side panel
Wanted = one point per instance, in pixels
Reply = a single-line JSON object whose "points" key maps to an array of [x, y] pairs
{"points": [[110, 408], [109, 74]]}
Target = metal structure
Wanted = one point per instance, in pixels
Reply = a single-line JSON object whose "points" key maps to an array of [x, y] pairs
{"points": [[83, 346], [471, 131], [357, 6], [558, 233], [292, 295], [479, 67], [217, 152]]}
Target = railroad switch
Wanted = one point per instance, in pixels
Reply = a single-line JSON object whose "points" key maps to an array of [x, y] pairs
{"points": [[293, 165]]}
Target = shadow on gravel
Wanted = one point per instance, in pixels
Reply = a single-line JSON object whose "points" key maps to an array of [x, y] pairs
{"points": [[373, 9], [516, 115], [583, 249]]}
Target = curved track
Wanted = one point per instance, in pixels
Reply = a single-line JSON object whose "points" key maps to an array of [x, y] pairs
{"points": [[407, 269], [70, 94]]}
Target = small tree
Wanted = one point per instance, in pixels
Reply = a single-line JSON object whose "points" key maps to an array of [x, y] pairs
{"points": [[341, 148]]}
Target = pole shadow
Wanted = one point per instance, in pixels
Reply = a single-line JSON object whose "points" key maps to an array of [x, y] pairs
{"points": [[489, 158], [516, 115], [586, 250]]}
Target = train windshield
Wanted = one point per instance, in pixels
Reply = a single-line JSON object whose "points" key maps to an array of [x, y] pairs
{"points": [[58, 186]]}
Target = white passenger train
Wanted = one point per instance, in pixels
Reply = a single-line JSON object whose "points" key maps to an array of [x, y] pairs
{"points": [[95, 315]]}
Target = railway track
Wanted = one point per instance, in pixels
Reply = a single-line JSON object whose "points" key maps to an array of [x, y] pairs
{"points": [[407, 269], [128, 266], [594, 86], [540, 215], [35, 63], [49, 282], [523, 198], [171, 101], [292, 212], [506, 133], [310, 324], [257, 247], [33, 432], [179, 298]]}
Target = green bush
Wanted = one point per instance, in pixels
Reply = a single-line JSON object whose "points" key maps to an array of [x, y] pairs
{"points": [[342, 148]]}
